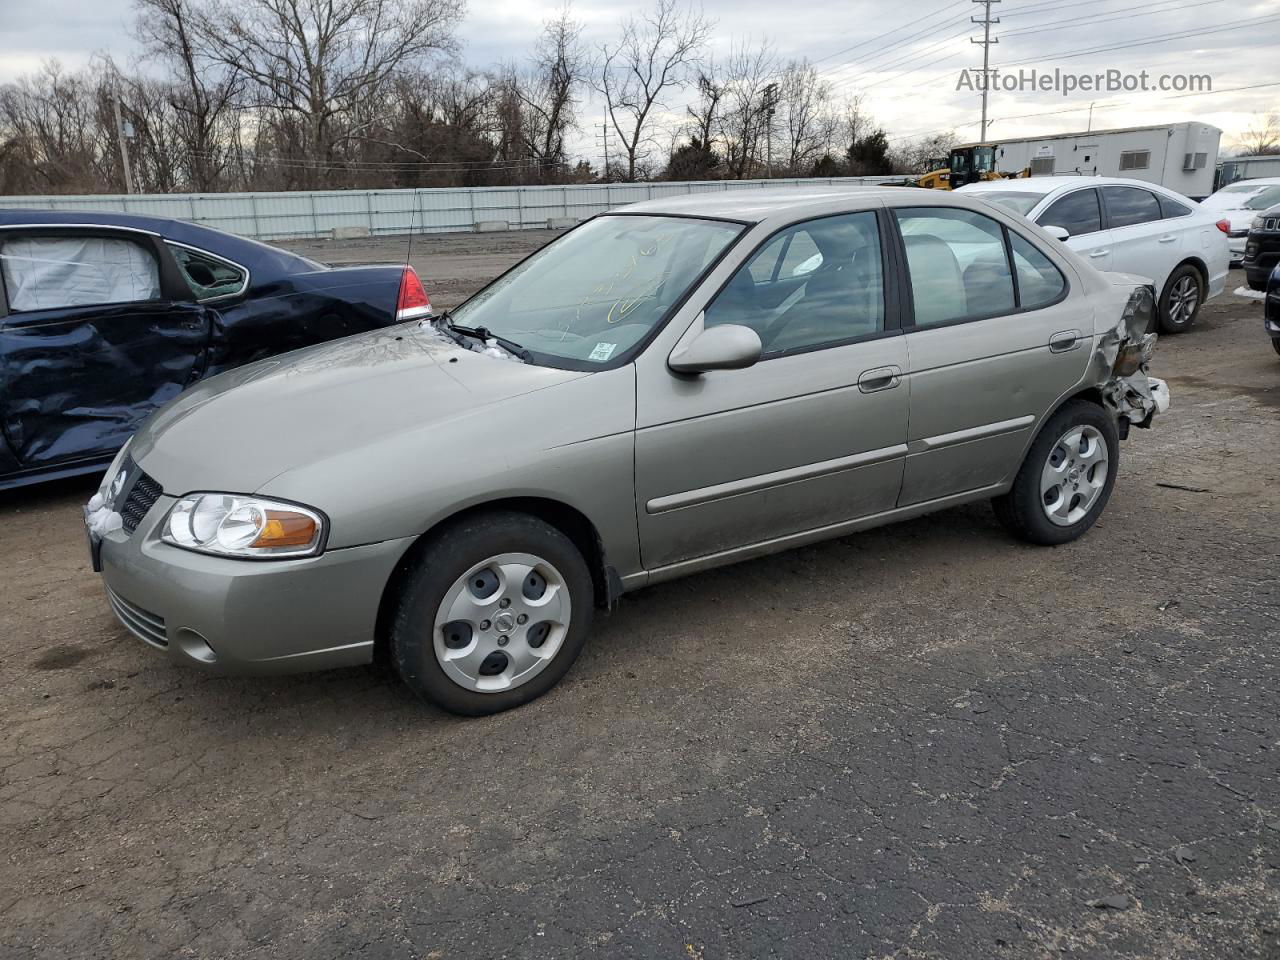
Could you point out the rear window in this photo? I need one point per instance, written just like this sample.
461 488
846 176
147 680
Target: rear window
1019 201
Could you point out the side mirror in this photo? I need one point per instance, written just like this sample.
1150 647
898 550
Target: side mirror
1058 233
729 346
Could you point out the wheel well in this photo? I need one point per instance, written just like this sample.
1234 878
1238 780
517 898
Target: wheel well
1200 268
569 521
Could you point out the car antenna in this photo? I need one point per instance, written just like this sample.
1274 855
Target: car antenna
413 216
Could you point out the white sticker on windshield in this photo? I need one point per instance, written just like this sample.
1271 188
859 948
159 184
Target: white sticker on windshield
603 351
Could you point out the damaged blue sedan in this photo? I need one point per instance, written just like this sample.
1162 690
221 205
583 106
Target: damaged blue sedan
105 317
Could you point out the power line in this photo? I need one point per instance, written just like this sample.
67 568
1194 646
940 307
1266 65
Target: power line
881 36
1049 57
1103 106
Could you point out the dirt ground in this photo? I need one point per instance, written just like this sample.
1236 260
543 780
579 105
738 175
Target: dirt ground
925 741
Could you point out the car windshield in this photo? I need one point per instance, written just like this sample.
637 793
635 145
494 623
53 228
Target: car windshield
594 295
1019 201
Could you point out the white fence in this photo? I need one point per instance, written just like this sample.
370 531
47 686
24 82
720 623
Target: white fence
273 216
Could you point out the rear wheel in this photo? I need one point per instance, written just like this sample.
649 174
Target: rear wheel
493 614
1181 299
1066 479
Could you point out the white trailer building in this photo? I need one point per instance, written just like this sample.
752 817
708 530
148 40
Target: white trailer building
1248 168
1180 156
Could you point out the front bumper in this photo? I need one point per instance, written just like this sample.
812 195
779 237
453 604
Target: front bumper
246 616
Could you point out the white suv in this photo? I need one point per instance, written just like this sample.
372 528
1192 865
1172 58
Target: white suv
1129 226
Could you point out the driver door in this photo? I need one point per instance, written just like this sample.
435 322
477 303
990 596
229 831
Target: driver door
812 435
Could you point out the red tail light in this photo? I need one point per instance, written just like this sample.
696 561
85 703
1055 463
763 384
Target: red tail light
413 302
1224 226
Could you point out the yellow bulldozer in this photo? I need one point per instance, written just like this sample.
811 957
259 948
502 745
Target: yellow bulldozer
968 163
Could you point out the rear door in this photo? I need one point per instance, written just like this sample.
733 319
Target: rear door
97 330
1142 242
987 355
1080 214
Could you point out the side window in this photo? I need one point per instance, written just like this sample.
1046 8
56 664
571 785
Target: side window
208 276
1040 283
958 264
48 273
1127 206
825 285
1170 208
1078 213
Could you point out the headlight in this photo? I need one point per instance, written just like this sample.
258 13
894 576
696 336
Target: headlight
1256 224
248 527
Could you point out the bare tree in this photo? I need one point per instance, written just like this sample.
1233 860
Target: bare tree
312 62
705 114
53 138
549 93
808 127
203 95
750 98
653 56
1262 139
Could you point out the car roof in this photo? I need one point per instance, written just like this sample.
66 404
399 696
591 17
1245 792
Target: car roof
229 245
1054 184
757 205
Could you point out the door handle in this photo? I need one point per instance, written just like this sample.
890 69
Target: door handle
881 378
1064 340
1099 253
1167 238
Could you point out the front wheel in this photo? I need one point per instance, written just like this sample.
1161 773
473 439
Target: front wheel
492 615
1066 479
1181 299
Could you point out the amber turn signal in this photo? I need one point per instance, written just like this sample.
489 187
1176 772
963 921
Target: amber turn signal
286 530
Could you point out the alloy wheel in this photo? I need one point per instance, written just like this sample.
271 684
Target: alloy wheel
502 622
1074 475
1183 300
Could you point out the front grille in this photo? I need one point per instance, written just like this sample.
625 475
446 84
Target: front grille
144 625
1271 223
142 497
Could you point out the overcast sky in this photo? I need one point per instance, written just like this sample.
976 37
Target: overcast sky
852 44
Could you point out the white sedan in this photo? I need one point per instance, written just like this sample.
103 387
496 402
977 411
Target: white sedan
1238 203
1129 226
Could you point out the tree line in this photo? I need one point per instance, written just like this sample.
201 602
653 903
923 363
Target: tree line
363 94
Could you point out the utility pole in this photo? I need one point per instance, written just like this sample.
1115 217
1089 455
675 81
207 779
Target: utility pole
986 41
770 105
124 146
604 141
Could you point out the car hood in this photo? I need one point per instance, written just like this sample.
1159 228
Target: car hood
236 431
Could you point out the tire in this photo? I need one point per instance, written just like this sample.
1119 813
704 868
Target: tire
444 660
1259 285
1275 345
1026 509
1181 299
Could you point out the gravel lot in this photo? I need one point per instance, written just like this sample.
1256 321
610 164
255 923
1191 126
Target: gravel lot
925 741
